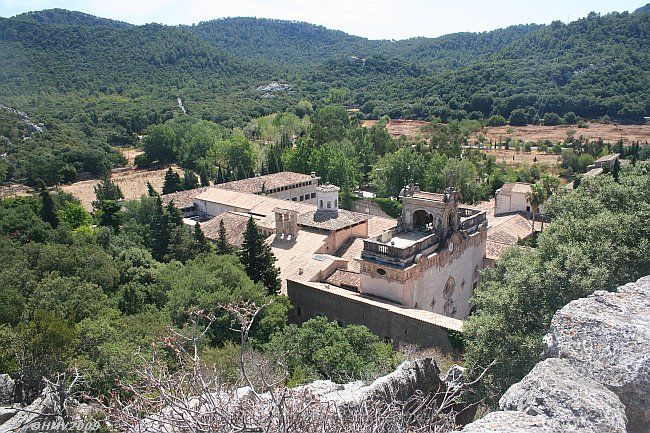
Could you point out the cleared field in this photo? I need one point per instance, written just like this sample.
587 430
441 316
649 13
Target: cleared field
130 153
510 157
397 128
609 133
132 182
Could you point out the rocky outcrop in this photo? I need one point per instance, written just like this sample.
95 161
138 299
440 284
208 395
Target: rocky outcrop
554 389
7 388
411 376
606 337
35 417
596 372
513 422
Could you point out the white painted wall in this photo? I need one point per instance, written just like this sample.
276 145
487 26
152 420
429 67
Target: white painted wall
515 202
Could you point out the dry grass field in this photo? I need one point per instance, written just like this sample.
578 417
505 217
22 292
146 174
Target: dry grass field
608 132
513 158
132 182
397 128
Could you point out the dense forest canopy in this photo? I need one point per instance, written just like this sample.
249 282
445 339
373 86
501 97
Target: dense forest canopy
95 83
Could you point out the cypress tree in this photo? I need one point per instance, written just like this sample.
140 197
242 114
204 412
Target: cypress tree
150 191
174 215
172 182
201 240
219 179
108 214
48 209
190 181
258 259
203 177
223 247
159 227
616 170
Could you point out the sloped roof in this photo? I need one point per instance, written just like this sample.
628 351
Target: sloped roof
235 224
515 188
510 230
345 278
255 185
183 199
330 221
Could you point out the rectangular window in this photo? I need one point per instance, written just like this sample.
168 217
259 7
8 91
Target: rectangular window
313 195
299 311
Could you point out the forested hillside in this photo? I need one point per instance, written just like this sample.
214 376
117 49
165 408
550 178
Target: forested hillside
96 83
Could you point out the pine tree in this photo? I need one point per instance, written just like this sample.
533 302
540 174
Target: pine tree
172 182
106 190
48 209
258 259
223 247
201 240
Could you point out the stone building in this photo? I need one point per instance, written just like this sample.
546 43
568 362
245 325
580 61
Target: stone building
431 260
512 197
427 260
285 185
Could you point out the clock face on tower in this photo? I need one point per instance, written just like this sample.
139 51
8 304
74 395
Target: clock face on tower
451 247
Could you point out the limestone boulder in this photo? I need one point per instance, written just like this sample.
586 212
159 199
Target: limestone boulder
6 413
554 389
606 337
421 375
514 422
38 416
7 388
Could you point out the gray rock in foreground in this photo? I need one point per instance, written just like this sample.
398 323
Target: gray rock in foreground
411 376
606 337
513 422
554 389
34 417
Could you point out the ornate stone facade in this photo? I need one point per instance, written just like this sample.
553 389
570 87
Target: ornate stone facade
431 261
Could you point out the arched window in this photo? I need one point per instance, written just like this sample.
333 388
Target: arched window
329 204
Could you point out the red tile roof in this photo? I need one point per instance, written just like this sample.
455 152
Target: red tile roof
268 182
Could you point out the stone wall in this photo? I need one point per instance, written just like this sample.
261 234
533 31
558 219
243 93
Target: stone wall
309 301
595 376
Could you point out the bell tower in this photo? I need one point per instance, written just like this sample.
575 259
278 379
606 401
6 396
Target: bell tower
327 200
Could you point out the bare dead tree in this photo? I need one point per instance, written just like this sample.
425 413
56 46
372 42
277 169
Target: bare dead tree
193 399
